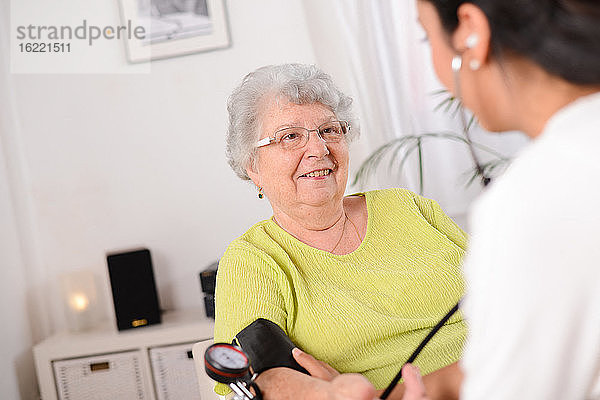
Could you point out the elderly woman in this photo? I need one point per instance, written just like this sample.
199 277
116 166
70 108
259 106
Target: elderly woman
357 281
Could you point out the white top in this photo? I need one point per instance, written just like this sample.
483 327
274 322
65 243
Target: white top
533 273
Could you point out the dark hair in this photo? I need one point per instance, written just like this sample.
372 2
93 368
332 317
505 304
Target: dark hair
561 36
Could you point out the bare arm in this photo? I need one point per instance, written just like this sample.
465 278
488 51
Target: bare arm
286 383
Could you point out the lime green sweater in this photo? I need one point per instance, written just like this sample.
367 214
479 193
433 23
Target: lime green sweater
361 312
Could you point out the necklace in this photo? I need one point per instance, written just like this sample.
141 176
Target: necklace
341 234
343 229
355 229
346 218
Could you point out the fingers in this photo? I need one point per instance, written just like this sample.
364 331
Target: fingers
414 388
315 368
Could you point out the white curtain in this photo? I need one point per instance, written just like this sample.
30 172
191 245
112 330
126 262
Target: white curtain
376 48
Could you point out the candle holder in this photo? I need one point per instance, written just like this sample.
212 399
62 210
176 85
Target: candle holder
80 300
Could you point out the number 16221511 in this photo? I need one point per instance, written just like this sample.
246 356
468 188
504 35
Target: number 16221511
45 47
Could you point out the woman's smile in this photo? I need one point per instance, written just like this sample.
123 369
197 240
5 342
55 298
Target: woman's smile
318 174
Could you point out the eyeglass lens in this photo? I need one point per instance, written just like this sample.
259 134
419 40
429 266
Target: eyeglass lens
295 137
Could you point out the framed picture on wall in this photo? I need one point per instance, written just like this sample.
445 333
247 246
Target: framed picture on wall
168 28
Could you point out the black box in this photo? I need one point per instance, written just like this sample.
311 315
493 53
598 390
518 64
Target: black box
208 280
133 289
209 305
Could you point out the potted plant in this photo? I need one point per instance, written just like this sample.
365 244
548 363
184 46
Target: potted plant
398 151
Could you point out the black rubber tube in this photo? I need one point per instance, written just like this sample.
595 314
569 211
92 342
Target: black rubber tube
415 353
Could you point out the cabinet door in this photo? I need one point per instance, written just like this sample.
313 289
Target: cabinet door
174 373
113 376
205 383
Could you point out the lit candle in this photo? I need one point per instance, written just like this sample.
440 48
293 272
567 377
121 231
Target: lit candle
79 302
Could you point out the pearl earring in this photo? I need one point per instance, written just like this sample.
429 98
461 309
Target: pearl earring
472 40
456 63
474 65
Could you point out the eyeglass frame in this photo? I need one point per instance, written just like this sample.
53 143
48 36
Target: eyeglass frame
272 139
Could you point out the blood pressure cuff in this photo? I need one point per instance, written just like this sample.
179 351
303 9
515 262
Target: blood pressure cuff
267 346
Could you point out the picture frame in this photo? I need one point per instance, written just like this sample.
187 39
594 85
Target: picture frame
173 28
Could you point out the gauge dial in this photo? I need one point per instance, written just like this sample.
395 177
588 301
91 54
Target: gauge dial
225 363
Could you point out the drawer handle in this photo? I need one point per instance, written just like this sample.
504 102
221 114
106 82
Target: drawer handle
101 366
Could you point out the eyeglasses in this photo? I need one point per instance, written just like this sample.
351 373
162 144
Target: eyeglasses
297 137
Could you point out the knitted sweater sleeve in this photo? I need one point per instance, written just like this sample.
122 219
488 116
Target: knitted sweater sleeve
249 286
433 213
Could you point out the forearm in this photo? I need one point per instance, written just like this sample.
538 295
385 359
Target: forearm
443 384
286 383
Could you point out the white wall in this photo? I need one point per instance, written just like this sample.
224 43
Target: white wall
92 163
16 365
17 290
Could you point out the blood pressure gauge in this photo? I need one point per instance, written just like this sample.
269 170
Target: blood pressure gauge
226 363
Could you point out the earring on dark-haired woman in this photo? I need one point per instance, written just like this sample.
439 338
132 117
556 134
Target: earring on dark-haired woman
260 193
457 62
472 41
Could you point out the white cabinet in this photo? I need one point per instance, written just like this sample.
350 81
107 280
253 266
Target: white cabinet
104 377
149 363
174 373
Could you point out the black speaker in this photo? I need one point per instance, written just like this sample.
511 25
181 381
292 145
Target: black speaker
133 289
207 282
